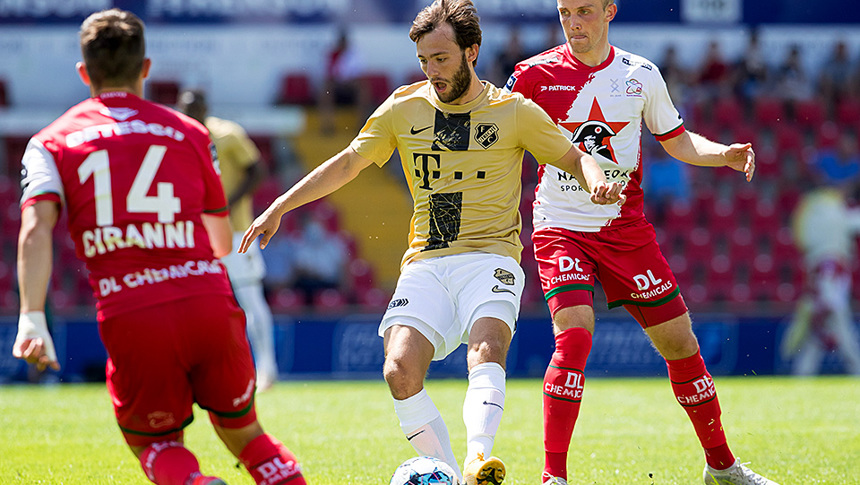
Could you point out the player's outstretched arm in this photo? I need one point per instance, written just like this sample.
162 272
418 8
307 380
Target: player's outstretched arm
589 175
697 150
33 342
333 174
220 234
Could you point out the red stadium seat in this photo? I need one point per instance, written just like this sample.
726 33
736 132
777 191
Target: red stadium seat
287 300
848 111
379 86
329 300
727 111
296 89
809 112
769 111
163 91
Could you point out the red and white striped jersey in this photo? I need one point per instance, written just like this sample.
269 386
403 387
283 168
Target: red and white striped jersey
135 178
601 109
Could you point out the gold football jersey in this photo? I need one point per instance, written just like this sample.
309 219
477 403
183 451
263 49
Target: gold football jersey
463 164
236 152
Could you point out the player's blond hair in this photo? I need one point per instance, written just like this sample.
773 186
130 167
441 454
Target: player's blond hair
113 47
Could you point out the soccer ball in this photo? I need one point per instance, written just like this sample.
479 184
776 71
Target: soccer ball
423 470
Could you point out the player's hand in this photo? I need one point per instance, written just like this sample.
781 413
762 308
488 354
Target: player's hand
265 226
741 157
33 342
605 193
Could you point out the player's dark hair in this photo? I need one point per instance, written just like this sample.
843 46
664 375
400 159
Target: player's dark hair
113 47
460 14
193 103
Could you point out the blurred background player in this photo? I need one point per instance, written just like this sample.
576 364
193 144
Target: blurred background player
241 173
825 228
460 280
605 94
147 215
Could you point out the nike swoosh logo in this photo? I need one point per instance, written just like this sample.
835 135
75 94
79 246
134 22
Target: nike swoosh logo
409 438
496 289
415 132
493 404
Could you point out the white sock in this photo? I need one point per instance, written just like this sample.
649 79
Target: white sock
482 408
425 429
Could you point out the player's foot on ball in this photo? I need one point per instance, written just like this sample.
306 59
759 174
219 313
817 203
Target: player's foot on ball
547 479
201 480
737 474
484 472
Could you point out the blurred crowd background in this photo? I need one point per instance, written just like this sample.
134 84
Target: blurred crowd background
301 79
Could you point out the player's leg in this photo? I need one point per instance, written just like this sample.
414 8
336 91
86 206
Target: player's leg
246 275
489 341
151 396
567 279
408 354
223 381
488 290
415 330
264 456
260 332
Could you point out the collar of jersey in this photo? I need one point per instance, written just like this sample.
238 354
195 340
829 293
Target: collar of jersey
460 108
579 65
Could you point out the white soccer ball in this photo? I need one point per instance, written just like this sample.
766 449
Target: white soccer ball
423 470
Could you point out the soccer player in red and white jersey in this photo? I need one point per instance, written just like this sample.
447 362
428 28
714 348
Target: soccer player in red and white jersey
147 214
599 95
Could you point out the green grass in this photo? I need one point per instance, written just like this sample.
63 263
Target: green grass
630 431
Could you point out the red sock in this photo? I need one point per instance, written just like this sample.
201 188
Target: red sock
270 462
562 393
696 393
168 463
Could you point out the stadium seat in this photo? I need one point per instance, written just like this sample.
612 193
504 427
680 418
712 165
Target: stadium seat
727 111
296 89
4 97
827 135
286 300
163 91
264 145
329 300
769 111
789 137
379 86
14 147
809 112
848 111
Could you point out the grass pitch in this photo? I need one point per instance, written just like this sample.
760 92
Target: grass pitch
630 431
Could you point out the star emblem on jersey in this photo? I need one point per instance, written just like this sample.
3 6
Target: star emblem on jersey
593 136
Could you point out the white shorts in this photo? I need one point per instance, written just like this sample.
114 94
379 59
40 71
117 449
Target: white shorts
246 268
443 297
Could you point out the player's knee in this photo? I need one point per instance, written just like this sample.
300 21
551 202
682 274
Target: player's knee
404 377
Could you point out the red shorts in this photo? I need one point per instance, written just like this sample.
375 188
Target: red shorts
161 360
626 260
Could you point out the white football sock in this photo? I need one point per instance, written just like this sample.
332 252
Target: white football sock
425 429
482 408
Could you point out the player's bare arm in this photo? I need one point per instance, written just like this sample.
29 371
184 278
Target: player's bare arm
33 342
589 175
220 234
697 150
333 174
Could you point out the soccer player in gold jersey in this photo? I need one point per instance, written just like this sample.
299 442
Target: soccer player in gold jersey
461 142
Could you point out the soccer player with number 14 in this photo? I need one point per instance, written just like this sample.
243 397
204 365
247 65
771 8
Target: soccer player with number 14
147 214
